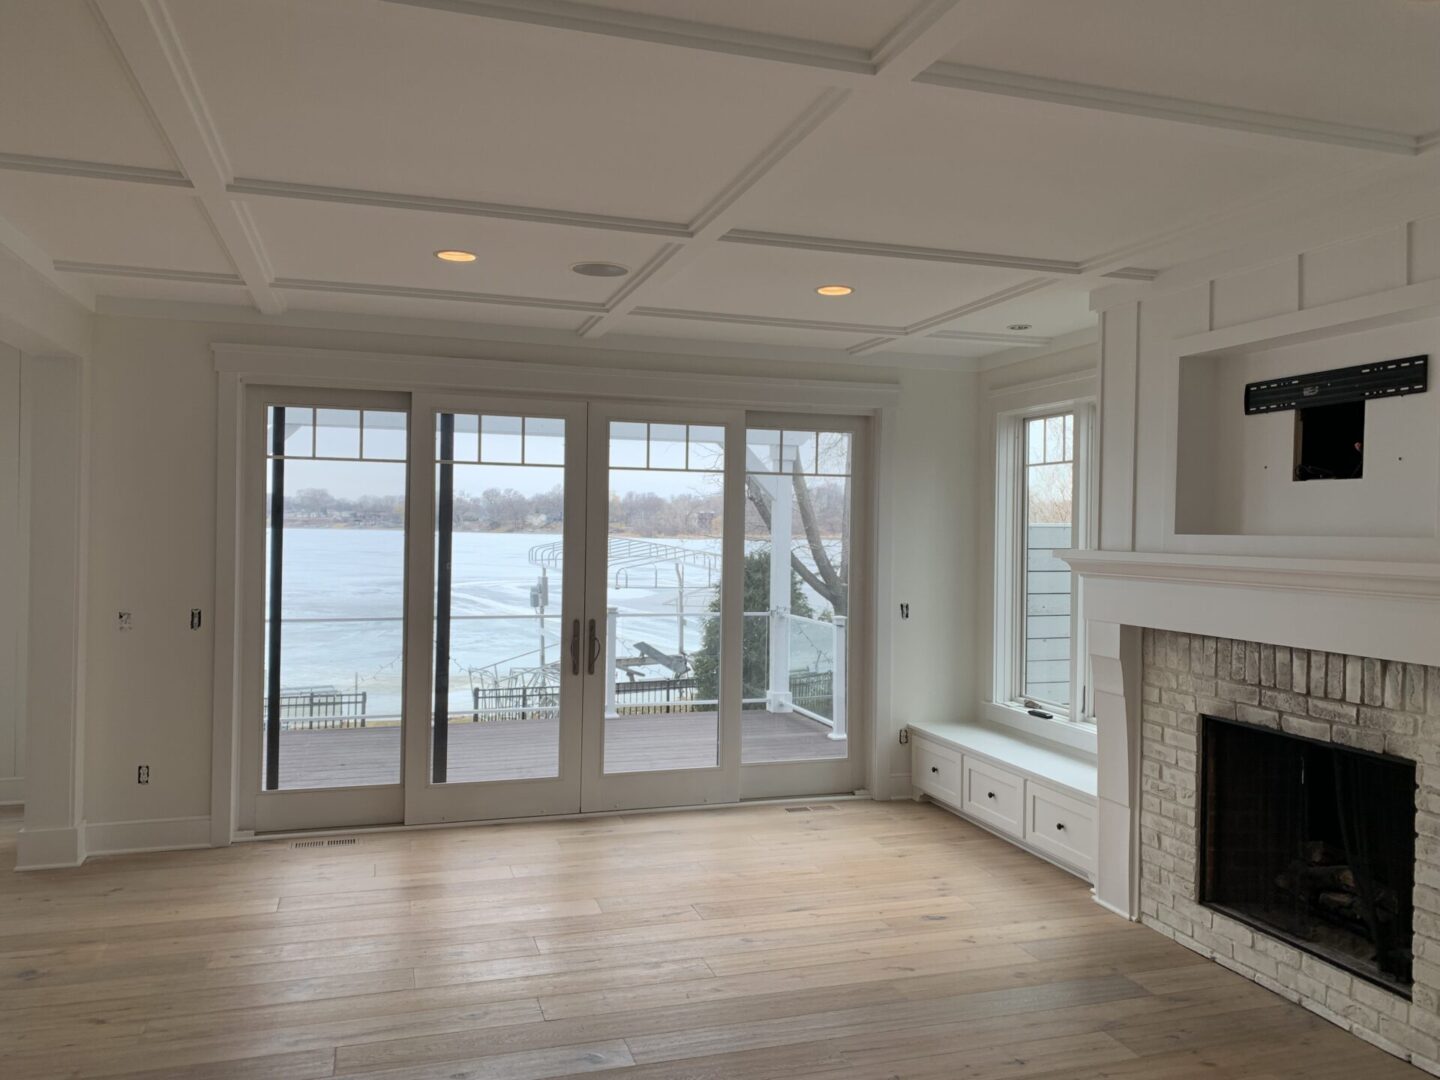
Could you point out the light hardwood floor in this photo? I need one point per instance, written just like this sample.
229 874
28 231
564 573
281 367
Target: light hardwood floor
863 940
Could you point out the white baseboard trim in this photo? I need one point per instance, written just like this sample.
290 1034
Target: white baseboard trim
1112 908
154 834
901 789
49 849
12 790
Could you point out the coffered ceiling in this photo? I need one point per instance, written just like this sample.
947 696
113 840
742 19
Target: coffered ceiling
966 166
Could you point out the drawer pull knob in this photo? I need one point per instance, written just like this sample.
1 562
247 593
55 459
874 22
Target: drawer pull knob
934 768
989 794
1060 825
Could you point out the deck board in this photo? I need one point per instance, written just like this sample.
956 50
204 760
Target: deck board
527 749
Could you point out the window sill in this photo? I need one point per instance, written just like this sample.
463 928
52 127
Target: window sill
1076 735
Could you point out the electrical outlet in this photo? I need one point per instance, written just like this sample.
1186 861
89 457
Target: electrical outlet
123 621
142 774
904 611
194 618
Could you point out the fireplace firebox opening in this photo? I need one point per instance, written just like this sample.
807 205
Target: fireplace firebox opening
1312 843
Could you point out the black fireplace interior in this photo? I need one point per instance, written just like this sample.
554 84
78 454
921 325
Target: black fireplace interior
1312 843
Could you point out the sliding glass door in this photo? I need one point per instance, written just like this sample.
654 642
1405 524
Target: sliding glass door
497 722
322 742
468 608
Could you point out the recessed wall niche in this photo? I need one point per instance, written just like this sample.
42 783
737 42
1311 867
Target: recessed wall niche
1236 474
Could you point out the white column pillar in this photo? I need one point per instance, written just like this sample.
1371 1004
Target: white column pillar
1115 678
55 424
612 622
839 704
777 696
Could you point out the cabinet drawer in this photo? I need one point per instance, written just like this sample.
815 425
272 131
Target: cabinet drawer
935 771
1061 826
993 795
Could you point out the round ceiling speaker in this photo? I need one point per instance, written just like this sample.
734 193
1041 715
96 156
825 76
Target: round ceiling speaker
600 269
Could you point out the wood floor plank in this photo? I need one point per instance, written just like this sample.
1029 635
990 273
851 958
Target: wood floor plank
866 942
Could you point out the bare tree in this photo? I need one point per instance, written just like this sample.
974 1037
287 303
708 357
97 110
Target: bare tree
829 580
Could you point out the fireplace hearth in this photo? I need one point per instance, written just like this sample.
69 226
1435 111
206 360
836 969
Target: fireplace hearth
1312 843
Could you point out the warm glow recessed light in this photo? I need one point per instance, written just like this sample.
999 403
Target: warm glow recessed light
834 290
455 255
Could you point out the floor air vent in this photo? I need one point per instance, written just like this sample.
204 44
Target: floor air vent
348 841
825 807
797 809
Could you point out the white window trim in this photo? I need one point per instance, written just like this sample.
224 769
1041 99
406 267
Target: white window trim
1074 726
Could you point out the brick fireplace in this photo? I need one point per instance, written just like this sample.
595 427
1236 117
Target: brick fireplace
1376 706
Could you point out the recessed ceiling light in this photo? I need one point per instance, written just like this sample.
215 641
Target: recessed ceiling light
834 290
1019 326
600 269
455 255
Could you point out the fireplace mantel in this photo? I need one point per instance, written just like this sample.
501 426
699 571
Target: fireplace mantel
1367 608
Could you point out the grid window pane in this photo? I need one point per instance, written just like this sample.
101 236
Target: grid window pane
385 435
1049 497
500 440
337 433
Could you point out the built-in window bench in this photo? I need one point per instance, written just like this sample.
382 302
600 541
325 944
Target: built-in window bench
1039 795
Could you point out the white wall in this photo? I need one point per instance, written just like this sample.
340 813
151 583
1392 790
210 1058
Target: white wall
13 606
933 518
1235 471
152 513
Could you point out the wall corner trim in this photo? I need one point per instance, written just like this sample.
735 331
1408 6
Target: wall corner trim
50 849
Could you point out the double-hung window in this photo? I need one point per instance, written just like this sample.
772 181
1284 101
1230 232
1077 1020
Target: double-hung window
1042 481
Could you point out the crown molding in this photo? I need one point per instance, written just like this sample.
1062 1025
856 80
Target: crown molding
660 30
522 342
360 288
94 170
1063 343
389 200
154 273
1019 341
1181 110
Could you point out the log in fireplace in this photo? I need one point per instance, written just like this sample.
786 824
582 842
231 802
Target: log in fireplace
1312 843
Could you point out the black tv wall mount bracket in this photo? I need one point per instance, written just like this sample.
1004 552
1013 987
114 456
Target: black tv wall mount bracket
1364 382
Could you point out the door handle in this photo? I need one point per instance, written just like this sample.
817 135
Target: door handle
594 647
575 647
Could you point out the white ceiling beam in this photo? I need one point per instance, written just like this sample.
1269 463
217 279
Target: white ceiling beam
909 252
722 212
912 56
94 170
388 200
147 45
1179 110
834 60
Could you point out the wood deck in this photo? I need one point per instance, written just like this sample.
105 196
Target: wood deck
525 749
862 942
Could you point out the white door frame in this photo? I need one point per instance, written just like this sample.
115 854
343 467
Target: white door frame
261 810
239 365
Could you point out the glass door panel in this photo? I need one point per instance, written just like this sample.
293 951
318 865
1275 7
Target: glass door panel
500 527
797 594
335 597
500 639
659 617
